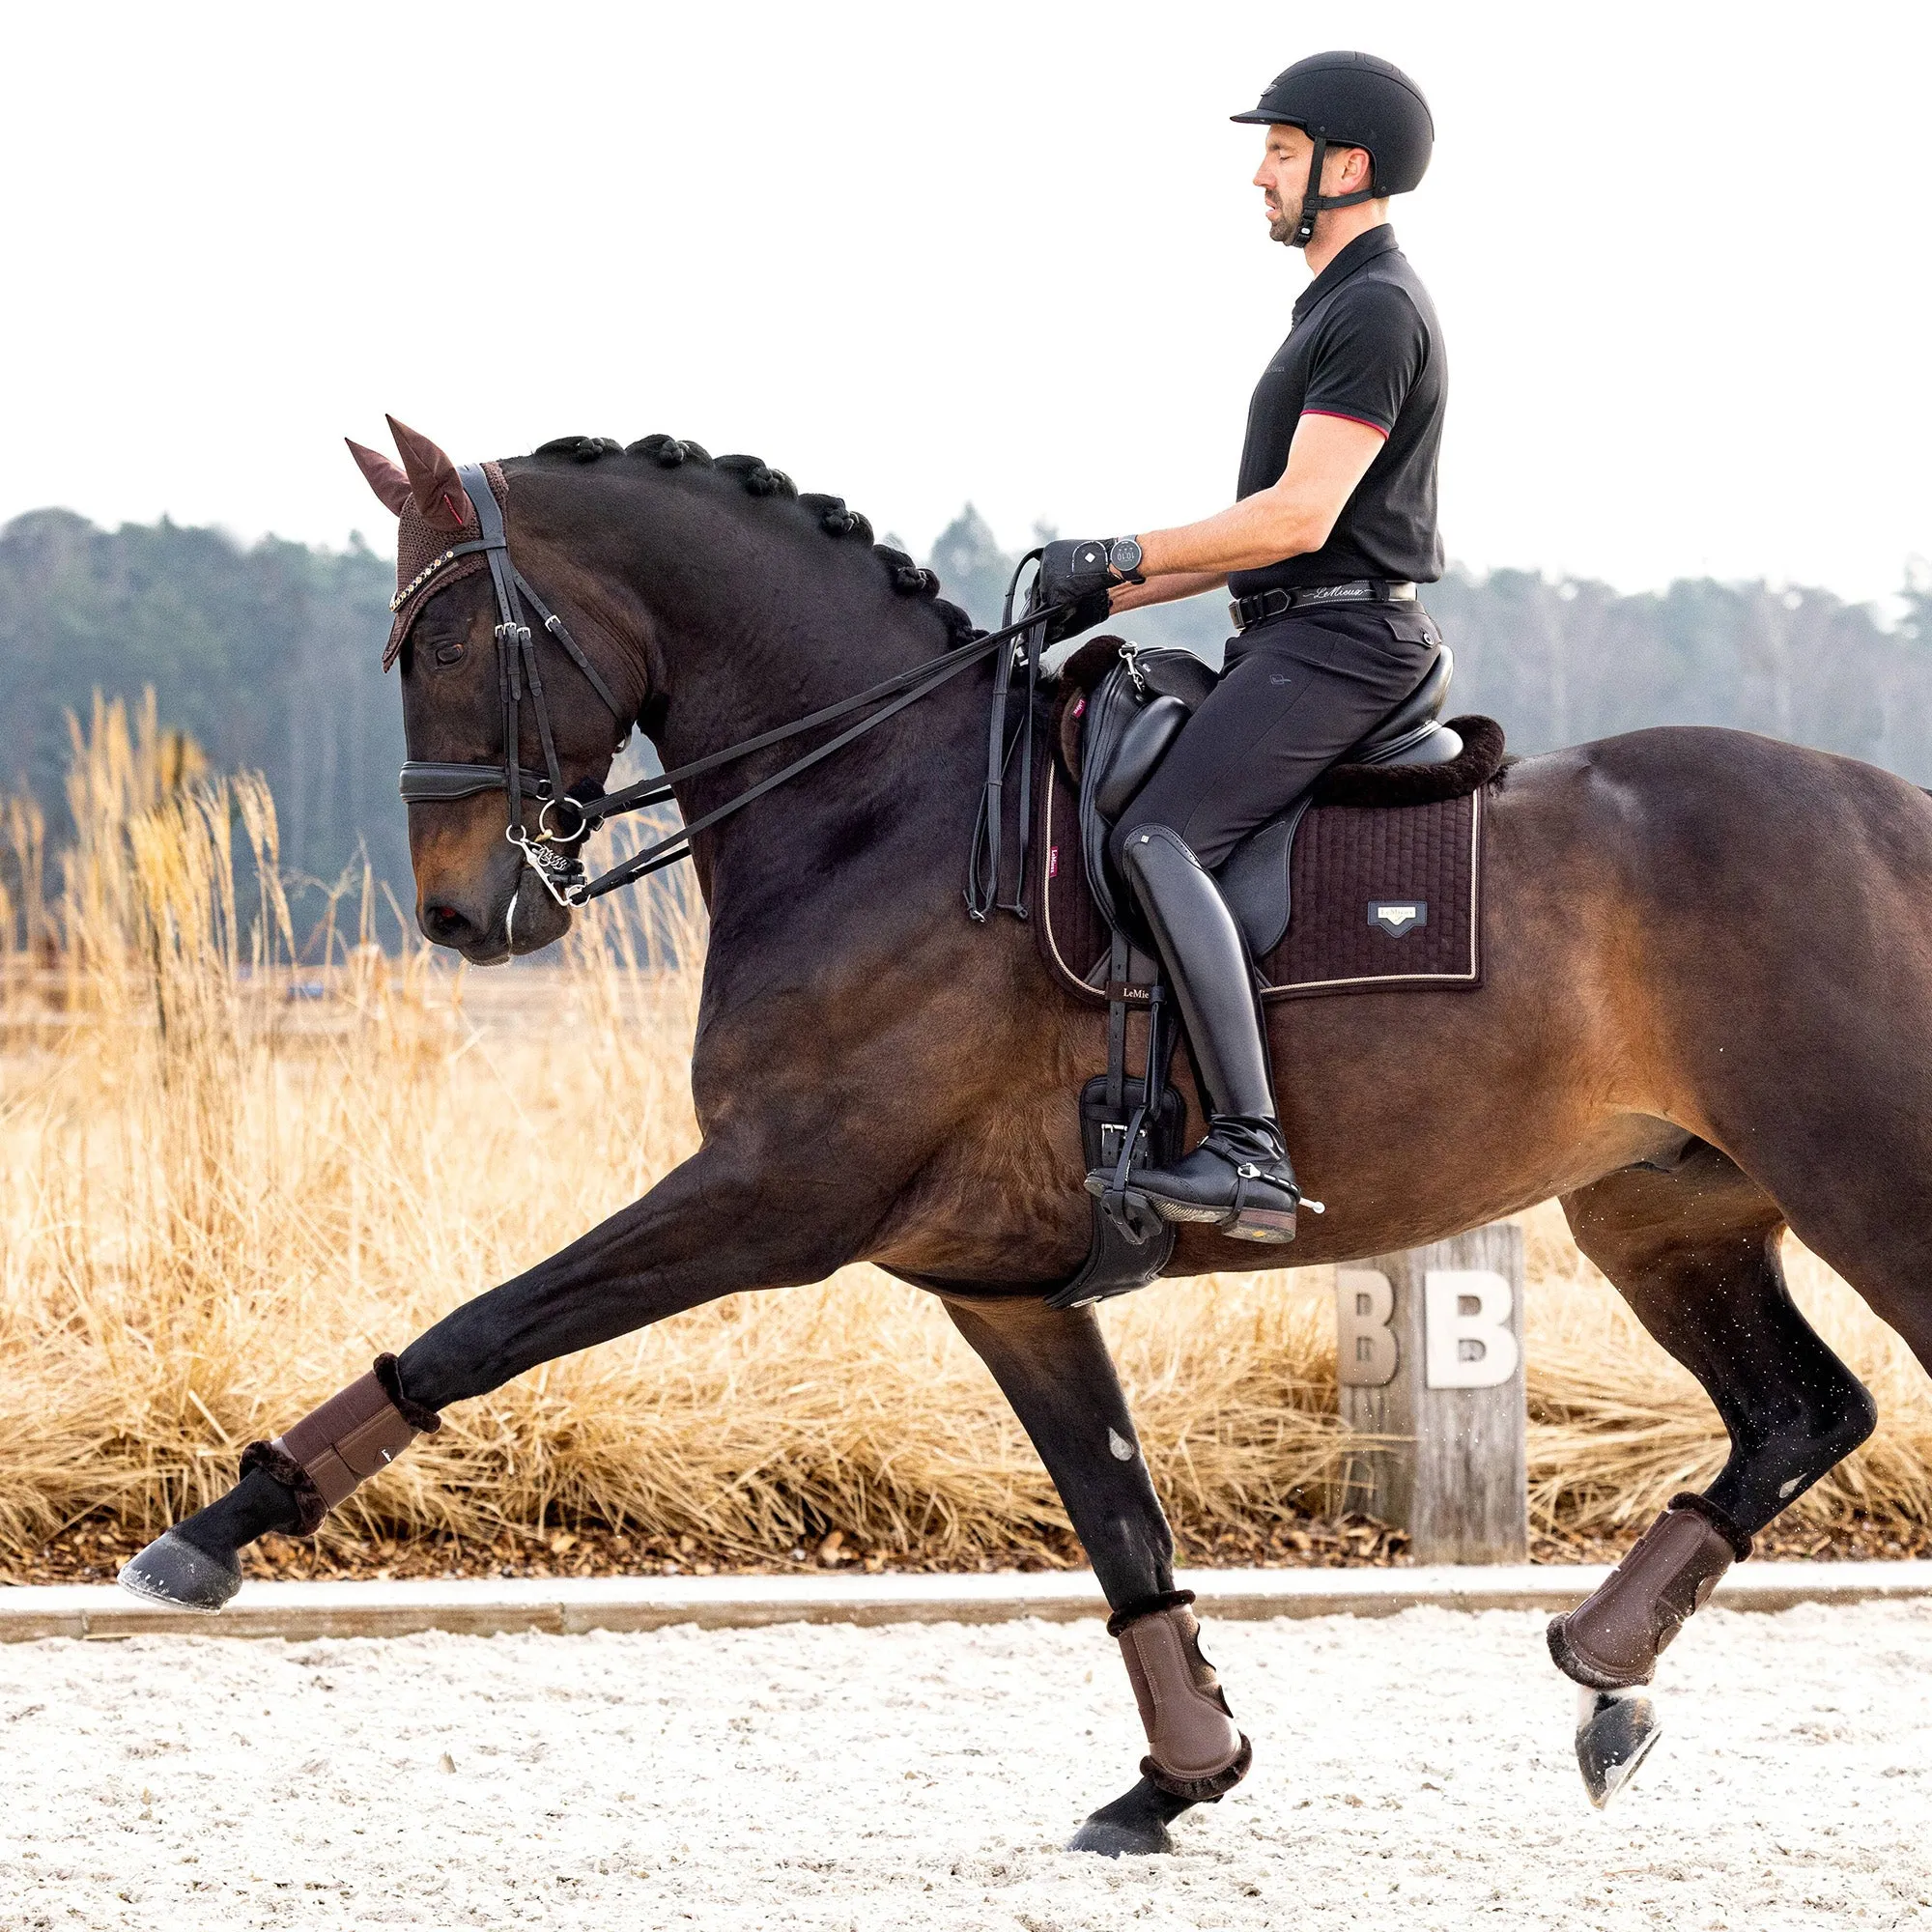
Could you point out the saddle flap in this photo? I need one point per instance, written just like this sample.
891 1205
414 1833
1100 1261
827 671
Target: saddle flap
1254 880
1124 734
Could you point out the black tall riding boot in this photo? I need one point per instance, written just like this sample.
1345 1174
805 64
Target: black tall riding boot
1238 1178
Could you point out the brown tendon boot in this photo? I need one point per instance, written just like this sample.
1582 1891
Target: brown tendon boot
1612 1640
326 1455
196 1565
1194 1751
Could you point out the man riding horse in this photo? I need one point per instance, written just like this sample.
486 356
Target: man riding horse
1334 526
1700 1018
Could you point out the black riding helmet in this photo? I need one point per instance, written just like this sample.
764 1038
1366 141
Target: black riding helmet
1350 100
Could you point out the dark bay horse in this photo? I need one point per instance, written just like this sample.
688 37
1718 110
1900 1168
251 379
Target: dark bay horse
1704 1017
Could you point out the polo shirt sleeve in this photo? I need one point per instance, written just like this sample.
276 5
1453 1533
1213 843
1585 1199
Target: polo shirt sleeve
1373 347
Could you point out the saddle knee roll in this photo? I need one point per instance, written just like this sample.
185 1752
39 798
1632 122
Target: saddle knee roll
1611 1640
1194 1749
334 1449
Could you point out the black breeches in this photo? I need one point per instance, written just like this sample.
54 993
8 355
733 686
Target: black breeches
1298 693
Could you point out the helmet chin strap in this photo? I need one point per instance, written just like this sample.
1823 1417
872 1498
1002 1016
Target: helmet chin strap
1314 201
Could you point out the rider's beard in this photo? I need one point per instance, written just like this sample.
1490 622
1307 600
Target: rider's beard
1281 225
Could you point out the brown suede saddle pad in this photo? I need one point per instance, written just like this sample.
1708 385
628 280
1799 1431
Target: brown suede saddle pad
1382 896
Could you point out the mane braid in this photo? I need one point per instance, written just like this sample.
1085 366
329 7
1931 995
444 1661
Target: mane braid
760 479
581 448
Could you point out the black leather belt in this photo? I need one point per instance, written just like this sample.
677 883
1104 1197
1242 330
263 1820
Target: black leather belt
1257 609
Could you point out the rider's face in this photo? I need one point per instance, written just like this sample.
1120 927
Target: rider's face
1283 176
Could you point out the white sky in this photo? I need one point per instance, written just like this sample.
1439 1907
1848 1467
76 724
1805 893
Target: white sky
920 254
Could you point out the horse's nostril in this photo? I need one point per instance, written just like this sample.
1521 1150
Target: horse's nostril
444 924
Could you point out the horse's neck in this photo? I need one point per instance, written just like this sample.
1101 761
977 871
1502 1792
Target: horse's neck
879 818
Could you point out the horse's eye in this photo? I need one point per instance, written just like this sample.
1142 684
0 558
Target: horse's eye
449 654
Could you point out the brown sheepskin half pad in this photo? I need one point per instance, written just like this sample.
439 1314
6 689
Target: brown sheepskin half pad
1194 1750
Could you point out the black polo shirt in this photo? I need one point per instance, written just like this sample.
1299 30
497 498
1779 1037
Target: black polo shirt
1365 345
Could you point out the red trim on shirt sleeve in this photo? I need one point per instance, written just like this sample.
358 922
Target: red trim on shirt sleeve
1343 415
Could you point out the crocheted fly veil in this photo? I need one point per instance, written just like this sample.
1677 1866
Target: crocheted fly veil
434 514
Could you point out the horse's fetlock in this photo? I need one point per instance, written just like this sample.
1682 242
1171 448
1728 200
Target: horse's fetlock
1612 1640
1194 1749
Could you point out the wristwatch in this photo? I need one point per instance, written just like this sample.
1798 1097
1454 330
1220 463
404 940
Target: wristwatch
1123 558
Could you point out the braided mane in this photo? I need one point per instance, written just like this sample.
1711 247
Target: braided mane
760 479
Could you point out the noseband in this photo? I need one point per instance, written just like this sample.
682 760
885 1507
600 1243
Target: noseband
552 854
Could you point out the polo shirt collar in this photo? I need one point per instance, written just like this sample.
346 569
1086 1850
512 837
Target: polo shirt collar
1365 248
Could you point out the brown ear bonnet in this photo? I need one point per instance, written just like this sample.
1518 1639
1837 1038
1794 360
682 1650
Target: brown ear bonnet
434 515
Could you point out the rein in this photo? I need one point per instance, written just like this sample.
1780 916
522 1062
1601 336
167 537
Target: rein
561 871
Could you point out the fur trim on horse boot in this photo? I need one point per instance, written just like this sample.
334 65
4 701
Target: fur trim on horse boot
1612 1640
1194 1751
1239 1178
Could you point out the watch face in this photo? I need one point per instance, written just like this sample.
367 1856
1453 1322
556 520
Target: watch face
1124 556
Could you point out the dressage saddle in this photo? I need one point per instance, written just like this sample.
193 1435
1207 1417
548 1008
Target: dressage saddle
1122 708
1134 714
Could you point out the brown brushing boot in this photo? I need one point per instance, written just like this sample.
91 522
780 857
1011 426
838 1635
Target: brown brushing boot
1196 1753
1611 1642
305 1471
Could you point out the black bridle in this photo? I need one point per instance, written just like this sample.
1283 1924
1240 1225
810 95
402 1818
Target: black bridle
552 854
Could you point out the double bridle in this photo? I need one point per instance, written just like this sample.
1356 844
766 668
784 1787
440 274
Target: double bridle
552 852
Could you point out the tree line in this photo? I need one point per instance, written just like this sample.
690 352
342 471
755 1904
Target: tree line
270 656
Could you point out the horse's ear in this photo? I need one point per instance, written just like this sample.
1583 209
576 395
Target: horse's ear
440 496
390 485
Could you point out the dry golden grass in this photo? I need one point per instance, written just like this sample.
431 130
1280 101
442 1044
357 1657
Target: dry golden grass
228 1179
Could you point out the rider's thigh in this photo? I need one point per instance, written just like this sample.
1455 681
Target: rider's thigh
1278 719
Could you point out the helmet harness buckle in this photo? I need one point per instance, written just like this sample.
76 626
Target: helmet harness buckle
1314 201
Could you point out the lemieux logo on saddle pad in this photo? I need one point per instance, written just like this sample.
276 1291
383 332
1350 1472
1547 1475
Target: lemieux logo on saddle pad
1397 917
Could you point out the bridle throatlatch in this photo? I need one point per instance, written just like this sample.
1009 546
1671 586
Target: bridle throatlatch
567 817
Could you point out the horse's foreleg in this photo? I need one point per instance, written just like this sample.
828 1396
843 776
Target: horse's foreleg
705 1230
1053 1366
1695 1253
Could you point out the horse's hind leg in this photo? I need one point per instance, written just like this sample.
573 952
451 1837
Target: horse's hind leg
1053 1366
1694 1250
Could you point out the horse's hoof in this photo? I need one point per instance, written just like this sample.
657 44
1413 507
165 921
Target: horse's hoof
1134 1826
1615 1730
173 1571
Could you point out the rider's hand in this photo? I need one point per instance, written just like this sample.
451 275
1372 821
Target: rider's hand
1080 574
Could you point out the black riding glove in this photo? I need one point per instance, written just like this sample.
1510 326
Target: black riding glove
1083 572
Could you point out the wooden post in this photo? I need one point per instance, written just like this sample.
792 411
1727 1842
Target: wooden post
1430 1353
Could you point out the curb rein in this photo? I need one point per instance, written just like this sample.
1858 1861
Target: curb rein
561 871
